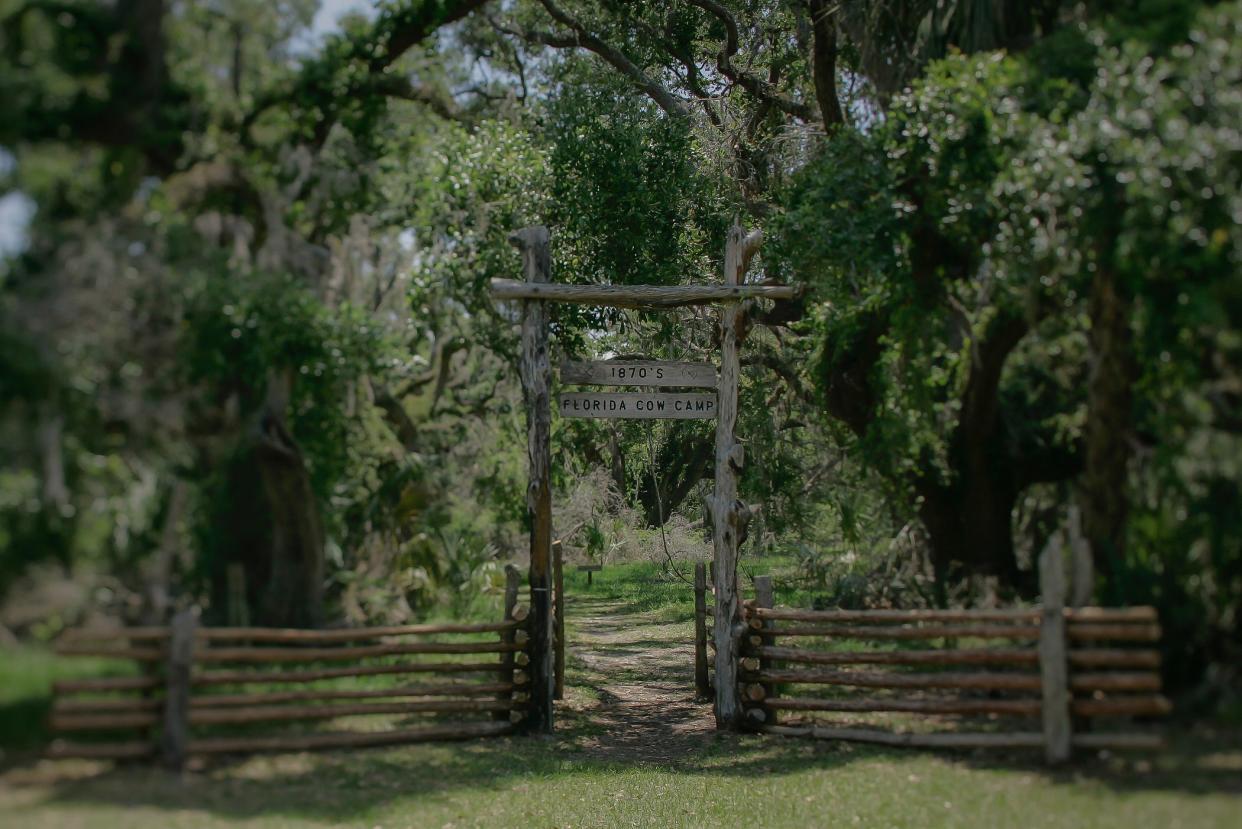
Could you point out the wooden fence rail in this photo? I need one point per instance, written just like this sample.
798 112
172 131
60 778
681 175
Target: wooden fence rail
1048 666
218 678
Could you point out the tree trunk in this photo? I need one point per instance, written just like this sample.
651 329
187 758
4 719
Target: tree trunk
293 595
969 528
1109 407
824 62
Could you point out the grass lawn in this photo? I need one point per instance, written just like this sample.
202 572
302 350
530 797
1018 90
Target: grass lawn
746 781
566 781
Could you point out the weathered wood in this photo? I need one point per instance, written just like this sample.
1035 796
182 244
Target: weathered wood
640 296
132 750
765 597
1142 613
176 733
1030 632
1113 658
937 740
1053 667
450 689
1141 705
1119 742
724 498
558 606
256 634
285 713
963 656
348 634
513 580
248 654
637 405
640 373
590 570
1078 632
211 678
1011 707
536 383
1078 658
113 721
62 707
310 742
1115 681
701 687
906 616
984 681
123 705
1138 613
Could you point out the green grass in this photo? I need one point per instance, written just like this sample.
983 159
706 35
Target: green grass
565 781
738 781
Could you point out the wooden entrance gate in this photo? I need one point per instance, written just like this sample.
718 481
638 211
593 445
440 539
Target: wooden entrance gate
728 515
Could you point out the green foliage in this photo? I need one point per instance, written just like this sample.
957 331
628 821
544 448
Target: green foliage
241 329
627 201
988 197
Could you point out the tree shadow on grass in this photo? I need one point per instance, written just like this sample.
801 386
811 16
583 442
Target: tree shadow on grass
349 785
23 730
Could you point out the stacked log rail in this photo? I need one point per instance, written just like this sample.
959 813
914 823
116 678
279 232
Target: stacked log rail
244 680
951 663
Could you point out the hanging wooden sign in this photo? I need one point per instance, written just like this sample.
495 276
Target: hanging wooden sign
630 405
640 373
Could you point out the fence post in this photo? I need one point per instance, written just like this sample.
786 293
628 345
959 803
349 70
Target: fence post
702 687
176 734
536 391
558 604
1052 658
727 520
765 597
513 579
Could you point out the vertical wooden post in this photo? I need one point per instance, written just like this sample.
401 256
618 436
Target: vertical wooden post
513 580
765 597
536 383
176 735
558 572
702 687
1053 669
723 509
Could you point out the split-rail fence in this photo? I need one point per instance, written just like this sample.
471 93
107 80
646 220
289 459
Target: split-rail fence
199 691
1039 677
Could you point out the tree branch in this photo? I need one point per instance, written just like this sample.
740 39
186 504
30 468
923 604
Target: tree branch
757 87
582 38
397 29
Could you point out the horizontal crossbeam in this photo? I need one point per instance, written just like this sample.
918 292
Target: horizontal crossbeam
643 297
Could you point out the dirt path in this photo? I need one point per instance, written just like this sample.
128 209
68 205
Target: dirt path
643 674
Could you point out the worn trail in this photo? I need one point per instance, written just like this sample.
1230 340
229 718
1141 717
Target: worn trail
643 674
